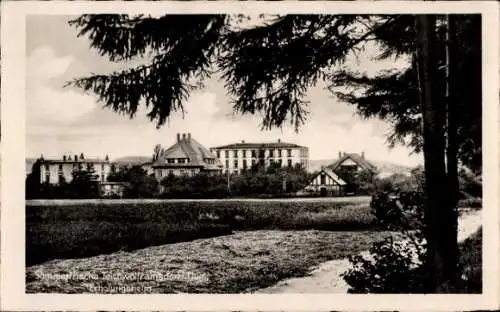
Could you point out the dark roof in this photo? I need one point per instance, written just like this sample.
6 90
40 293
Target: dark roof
72 161
187 148
259 145
360 161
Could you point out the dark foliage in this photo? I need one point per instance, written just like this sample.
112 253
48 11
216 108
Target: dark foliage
138 184
255 182
393 96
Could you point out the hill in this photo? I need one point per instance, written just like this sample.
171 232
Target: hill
131 160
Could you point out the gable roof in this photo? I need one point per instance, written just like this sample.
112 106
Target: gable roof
360 161
329 172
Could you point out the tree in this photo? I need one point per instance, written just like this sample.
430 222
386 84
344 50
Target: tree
269 67
84 183
138 183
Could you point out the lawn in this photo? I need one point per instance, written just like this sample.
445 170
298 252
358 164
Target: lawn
84 230
242 262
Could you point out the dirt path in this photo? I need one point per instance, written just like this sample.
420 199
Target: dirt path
326 278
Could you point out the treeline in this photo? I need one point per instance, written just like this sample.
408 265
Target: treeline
137 183
273 181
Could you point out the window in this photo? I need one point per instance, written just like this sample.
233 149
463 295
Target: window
181 160
182 172
193 172
244 153
171 172
160 173
227 154
244 164
235 153
280 162
47 167
323 179
171 161
236 163
279 153
254 153
102 167
289 152
102 177
271 153
289 163
60 167
47 177
227 163
261 153
253 162
218 154
271 161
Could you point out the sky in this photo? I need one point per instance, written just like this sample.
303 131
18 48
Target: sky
62 121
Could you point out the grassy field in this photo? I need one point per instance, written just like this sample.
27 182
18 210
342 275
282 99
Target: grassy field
74 231
242 262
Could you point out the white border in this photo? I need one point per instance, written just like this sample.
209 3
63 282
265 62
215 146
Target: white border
12 294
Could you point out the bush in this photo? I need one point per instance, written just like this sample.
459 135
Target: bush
392 267
398 211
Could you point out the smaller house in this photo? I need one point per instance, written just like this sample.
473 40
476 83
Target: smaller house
352 162
348 165
326 183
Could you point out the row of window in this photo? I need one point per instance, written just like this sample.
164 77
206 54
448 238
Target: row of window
80 166
191 172
254 153
254 162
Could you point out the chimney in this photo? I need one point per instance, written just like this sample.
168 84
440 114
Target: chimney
189 137
183 137
81 156
242 141
363 155
64 157
76 158
107 158
340 154
178 137
279 140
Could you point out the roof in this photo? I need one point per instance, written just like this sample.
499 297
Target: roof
244 145
72 161
186 148
360 161
329 172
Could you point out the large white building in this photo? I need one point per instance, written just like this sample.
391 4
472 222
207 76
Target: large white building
187 157
55 171
238 157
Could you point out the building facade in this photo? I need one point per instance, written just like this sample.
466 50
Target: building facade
326 183
238 157
56 171
187 157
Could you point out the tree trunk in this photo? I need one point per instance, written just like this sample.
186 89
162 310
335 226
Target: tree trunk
433 113
449 233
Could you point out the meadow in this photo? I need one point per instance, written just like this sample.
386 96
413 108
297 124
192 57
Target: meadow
88 229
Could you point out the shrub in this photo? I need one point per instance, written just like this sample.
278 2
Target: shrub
391 267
